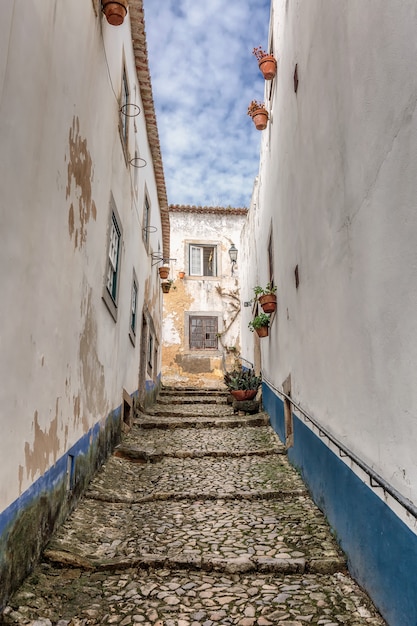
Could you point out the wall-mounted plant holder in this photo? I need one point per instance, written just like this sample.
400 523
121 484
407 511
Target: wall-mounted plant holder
137 162
130 110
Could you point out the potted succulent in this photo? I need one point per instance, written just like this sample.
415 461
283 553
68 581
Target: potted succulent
243 384
115 11
166 285
266 297
258 113
260 324
267 63
163 272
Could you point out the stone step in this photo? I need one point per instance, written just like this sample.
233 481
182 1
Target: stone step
289 535
192 410
141 455
183 391
199 421
198 476
203 440
181 597
191 399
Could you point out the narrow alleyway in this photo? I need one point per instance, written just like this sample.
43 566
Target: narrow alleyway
197 518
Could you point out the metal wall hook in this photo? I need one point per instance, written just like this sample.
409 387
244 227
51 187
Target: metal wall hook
125 109
137 162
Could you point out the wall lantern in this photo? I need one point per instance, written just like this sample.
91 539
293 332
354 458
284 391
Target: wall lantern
233 255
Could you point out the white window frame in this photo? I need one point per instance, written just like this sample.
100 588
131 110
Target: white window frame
133 318
196 259
113 260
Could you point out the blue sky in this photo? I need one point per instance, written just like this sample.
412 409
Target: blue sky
204 76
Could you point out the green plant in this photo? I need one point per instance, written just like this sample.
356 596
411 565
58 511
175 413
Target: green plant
270 289
240 378
262 319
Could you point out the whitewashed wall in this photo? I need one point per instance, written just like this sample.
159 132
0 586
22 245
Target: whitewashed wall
64 361
337 183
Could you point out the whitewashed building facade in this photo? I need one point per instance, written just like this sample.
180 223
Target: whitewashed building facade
201 330
81 305
333 223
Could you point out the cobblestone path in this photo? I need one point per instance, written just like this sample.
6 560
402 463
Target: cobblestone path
197 519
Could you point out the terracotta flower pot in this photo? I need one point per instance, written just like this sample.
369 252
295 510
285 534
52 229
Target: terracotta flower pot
260 118
268 66
163 272
181 274
166 287
115 11
244 394
268 302
262 331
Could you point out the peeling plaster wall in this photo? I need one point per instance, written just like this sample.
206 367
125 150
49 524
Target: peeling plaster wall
337 183
64 360
180 365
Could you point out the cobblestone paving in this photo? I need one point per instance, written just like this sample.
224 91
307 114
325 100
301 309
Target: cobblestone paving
191 526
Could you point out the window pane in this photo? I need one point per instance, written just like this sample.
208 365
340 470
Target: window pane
196 333
210 338
113 258
134 305
146 212
209 261
195 261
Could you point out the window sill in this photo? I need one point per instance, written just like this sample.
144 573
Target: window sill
110 304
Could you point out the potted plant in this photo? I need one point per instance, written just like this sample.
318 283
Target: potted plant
115 11
181 274
163 272
267 63
166 286
260 323
259 114
267 297
243 384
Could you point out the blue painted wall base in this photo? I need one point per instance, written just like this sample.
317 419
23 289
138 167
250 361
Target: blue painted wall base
28 523
381 550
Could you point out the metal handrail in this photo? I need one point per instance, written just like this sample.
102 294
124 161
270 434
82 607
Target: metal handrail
375 480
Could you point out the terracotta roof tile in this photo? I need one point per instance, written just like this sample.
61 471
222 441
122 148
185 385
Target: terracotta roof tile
142 68
219 210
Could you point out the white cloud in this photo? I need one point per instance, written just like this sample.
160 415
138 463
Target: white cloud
203 77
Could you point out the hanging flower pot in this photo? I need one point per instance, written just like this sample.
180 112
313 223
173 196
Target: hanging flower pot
115 11
268 302
166 286
259 114
267 63
260 324
163 272
266 297
181 275
262 331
